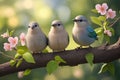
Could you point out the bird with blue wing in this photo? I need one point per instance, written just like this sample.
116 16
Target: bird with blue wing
82 33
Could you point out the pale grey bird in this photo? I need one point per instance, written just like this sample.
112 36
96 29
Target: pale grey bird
83 34
58 38
35 38
36 41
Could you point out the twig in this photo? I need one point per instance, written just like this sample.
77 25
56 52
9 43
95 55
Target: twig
115 21
6 55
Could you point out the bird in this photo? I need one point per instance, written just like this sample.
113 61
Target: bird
58 38
83 34
36 40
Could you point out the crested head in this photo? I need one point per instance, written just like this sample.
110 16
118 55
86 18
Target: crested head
33 27
81 21
57 24
80 18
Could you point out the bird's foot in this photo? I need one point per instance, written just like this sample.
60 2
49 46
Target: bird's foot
78 48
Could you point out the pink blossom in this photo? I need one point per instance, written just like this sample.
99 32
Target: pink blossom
5 35
7 47
101 8
22 39
111 14
13 41
108 32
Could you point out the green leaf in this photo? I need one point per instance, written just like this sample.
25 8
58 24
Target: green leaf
7 32
59 59
22 49
28 57
45 51
27 72
52 66
105 23
107 38
102 18
99 31
111 68
101 38
103 68
17 56
11 32
107 67
89 57
96 21
18 63
94 10
112 30
12 62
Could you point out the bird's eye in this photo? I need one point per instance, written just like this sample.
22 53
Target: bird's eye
58 24
80 20
35 25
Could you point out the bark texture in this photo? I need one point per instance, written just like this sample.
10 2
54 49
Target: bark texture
102 54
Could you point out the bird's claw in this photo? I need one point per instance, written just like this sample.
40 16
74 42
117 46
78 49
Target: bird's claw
78 48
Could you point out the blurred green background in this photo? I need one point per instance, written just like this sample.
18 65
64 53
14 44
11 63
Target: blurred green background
16 14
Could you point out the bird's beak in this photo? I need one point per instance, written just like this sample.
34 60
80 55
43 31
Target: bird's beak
32 27
74 20
53 25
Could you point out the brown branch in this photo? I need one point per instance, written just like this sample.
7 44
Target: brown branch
102 54
115 22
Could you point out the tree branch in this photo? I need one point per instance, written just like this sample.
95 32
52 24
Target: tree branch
102 54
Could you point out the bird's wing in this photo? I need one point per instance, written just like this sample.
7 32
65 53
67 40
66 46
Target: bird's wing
91 32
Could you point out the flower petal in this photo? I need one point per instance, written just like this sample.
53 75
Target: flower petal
98 6
5 35
111 14
22 36
22 39
16 39
108 32
103 12
7 47
13 41
23 43
101 9
105 6
10 39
